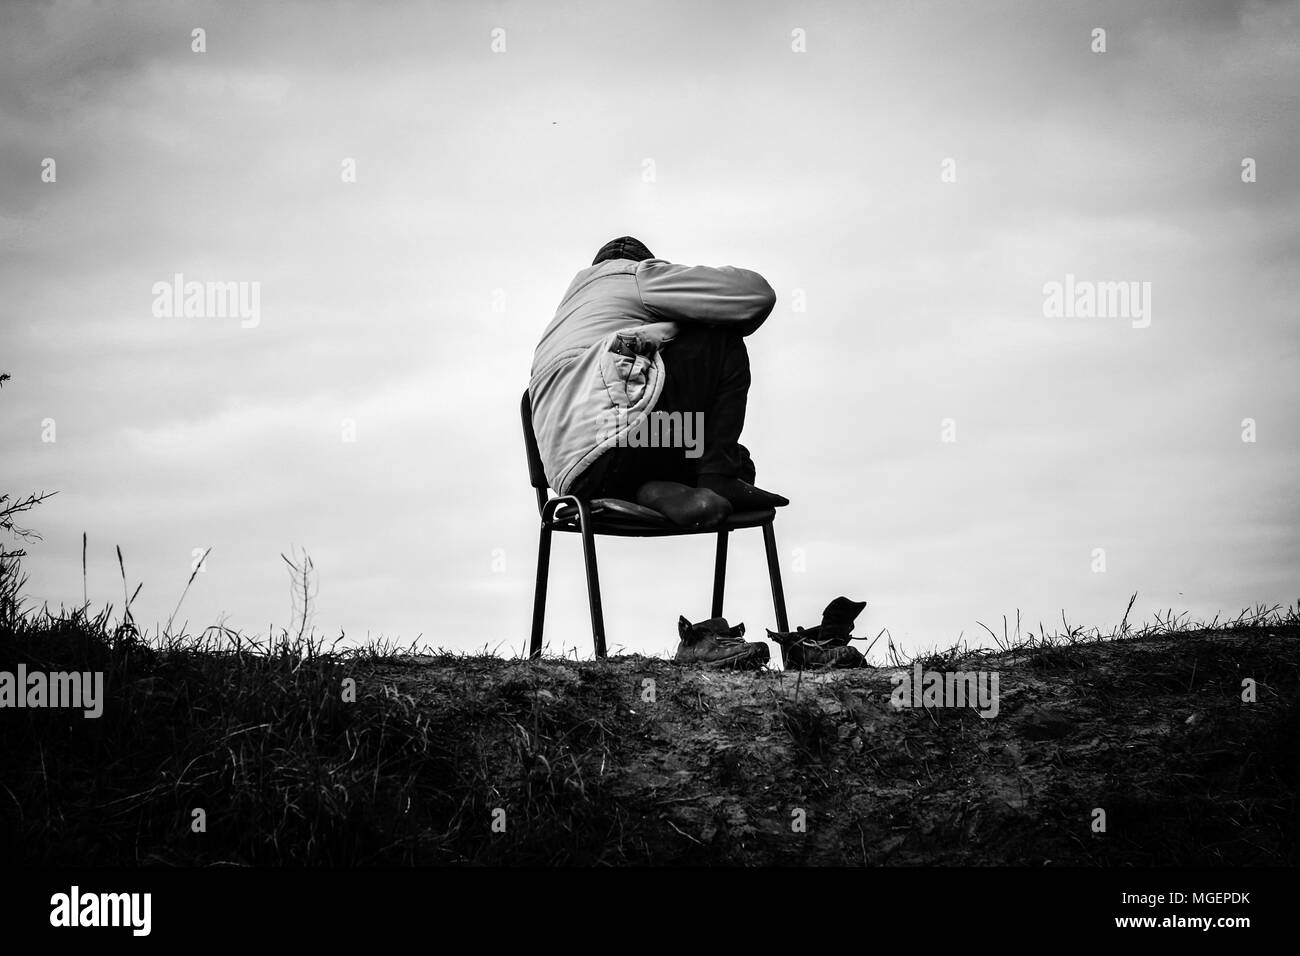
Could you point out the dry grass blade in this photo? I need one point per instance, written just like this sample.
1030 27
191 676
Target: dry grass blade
193 574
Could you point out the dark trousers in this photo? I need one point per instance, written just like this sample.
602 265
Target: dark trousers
706 371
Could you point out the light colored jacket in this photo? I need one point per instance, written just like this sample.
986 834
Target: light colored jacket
598 361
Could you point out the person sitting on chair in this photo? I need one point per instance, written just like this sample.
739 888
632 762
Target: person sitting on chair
637 342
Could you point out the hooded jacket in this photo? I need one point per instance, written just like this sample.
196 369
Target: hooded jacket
597 371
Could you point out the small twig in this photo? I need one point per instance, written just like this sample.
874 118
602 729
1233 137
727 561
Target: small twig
683 833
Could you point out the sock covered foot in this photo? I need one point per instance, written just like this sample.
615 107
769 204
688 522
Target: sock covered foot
683 505
742 495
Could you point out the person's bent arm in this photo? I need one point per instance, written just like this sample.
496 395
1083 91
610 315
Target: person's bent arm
647 338
721 295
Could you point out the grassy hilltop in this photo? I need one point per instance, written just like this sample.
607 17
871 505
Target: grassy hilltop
298 755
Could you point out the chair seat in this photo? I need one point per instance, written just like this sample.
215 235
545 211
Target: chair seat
615 509
614 516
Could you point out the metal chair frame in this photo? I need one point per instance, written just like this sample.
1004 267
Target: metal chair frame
576 518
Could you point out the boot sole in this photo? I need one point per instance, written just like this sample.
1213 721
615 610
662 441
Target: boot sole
746 660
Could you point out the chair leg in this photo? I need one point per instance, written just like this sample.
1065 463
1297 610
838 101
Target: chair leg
539 595
774 573
720 573
593 587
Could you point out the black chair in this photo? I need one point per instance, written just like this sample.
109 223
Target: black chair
624 519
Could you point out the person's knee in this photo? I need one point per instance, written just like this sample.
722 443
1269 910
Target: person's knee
684 505
709 350
691 342
698 337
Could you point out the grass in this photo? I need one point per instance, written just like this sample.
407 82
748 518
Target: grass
220 750
285 763
217 749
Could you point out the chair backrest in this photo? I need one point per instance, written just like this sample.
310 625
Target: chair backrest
536 474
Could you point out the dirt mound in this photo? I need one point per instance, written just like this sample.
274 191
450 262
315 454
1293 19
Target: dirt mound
1137 751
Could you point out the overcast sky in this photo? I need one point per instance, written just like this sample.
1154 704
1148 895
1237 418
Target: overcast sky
408 302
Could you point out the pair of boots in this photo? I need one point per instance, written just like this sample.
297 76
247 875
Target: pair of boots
714 643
